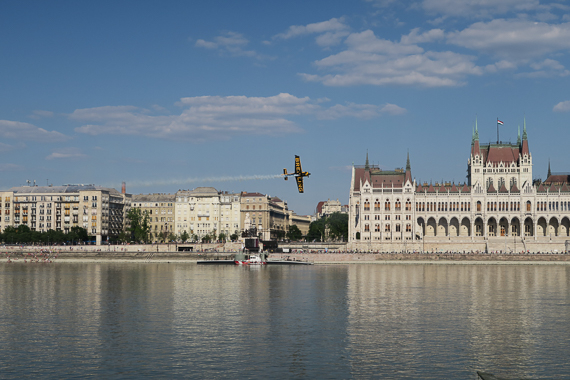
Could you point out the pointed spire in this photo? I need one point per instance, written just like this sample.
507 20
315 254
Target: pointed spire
524 130
408 176
472 135
549 172
476 131
367 166
519 136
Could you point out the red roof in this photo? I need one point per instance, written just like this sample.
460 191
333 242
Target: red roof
320 207
491 189
515 189
503 189
558 178
378 178
495 154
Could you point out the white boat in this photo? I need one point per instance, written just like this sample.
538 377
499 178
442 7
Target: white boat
250 260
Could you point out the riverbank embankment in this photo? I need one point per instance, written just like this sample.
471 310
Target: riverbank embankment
85 254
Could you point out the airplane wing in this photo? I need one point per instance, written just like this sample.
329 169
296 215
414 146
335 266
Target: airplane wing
299 183
298 165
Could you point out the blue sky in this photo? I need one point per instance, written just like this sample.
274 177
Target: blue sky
179 94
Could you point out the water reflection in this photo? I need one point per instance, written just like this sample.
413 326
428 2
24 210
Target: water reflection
424 321
150 320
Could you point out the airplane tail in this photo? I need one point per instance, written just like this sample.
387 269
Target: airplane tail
285 174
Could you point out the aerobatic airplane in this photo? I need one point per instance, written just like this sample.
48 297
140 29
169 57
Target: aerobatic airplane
299 174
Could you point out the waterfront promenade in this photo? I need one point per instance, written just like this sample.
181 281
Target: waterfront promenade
167 252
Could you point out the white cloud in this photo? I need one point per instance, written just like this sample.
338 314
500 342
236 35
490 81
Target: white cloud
393 109
25 131
231 43
217 117
330 32
66 153
10 167
513 39
562 106
39 114
372 60
414 38
479 8
6 147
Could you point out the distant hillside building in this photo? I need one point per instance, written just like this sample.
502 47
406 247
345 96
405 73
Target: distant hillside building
328 207
498 207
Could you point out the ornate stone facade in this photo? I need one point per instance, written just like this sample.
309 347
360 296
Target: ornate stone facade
498 208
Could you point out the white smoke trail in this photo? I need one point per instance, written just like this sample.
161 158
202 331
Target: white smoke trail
187 181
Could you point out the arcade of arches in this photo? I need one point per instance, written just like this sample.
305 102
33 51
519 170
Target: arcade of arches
491 227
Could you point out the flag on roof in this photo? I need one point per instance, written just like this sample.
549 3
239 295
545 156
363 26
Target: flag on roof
499 122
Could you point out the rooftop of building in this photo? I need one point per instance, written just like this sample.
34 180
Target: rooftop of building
157 197
63 189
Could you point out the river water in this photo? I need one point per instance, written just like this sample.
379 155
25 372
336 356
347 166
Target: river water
180 320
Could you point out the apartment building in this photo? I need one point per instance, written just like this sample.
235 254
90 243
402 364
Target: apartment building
101 211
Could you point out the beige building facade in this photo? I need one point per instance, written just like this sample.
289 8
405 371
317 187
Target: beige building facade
270 216
499 208
101 211
160 209
207 211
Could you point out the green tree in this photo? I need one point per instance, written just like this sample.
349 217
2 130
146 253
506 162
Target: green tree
234 236
294 233
222 237
184 236
139 224
332 227
317 230
171 236
78 234
337 224
123 237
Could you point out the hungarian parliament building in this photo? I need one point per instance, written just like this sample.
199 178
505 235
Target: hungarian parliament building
498 209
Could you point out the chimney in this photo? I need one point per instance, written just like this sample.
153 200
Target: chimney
124 188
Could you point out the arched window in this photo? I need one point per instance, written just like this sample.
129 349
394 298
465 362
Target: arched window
528 205
377 227
501 182
387 205
478 206
366 228
489 182
408 227
513 181
387 228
